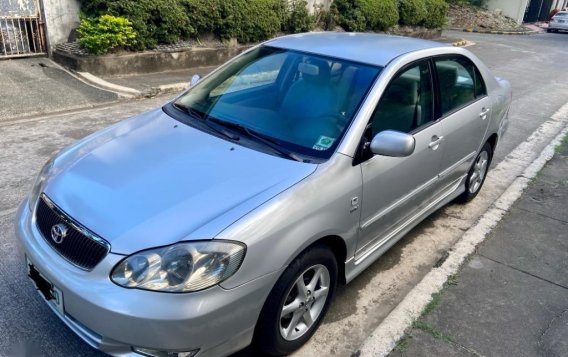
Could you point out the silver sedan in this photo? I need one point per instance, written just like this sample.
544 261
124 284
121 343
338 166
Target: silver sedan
559 22
228 216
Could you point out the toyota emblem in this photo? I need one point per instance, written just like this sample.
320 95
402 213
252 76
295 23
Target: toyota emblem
59 232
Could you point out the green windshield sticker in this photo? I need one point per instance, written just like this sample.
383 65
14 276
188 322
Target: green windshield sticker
323 143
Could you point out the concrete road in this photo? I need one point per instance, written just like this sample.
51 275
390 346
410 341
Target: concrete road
511 297
534 65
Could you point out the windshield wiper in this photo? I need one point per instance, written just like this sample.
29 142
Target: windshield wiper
203 118
265 139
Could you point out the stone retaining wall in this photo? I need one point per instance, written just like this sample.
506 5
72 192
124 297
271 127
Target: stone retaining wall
146 62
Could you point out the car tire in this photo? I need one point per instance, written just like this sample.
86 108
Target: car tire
548 30
274 333
477 174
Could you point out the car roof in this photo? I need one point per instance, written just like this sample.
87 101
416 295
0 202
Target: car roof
375 49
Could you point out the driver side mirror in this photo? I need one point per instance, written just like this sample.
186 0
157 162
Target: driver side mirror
393 143
196 78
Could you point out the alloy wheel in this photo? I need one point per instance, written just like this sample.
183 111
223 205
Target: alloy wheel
304 302
479 172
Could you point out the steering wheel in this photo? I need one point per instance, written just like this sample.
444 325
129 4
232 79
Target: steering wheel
338 120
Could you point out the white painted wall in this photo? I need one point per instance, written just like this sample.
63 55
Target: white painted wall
559 4
61 16
514 9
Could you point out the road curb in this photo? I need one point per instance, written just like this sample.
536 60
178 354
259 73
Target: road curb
383 339
462 43
128 92
165 88
125 92
527 32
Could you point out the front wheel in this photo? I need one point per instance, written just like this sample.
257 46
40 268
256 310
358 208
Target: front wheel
297 303
477 174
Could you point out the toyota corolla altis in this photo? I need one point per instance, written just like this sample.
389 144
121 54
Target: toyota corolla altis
228 216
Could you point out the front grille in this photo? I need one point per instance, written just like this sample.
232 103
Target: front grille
80 246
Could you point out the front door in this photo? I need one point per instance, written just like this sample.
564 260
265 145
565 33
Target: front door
395 188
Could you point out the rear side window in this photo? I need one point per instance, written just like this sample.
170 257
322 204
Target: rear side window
458 86
480 89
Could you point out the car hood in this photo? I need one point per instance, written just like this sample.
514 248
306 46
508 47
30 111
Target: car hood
152 181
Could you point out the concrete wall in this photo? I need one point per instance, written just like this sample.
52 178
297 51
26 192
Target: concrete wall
61 16
312 3
514 9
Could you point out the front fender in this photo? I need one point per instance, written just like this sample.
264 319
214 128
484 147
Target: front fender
279 230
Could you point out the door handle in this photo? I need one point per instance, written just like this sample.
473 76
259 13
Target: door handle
436 140
484 112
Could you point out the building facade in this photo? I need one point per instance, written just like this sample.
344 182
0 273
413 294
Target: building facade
527 10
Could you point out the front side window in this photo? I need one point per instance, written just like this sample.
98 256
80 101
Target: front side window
456 76
281 99
263 72
407 103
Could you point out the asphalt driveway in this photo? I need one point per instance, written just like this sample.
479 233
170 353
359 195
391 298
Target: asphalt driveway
38 85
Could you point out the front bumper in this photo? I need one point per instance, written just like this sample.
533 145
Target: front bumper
114 319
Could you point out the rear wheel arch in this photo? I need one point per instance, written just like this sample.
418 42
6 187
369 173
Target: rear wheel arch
493 139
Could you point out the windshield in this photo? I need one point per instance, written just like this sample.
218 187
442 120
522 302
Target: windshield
297 103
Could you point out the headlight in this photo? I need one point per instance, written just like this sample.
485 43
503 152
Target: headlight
39 184
183 267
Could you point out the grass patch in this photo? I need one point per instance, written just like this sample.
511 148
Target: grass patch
423 326
403 344
560 147
433 304
453 280
536 177
437 297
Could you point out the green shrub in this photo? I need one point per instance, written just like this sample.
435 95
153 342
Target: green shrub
361 15
204 15
412 12
349 15
299 18
437 11
380 14
250 20
102 34
155 21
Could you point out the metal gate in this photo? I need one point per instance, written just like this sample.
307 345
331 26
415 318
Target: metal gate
21 29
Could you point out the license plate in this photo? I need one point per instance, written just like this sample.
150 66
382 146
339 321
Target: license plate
47 290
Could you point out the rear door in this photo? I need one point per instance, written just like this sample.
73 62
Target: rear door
465 111
394 188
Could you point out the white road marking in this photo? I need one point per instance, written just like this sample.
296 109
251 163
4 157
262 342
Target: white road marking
392 328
